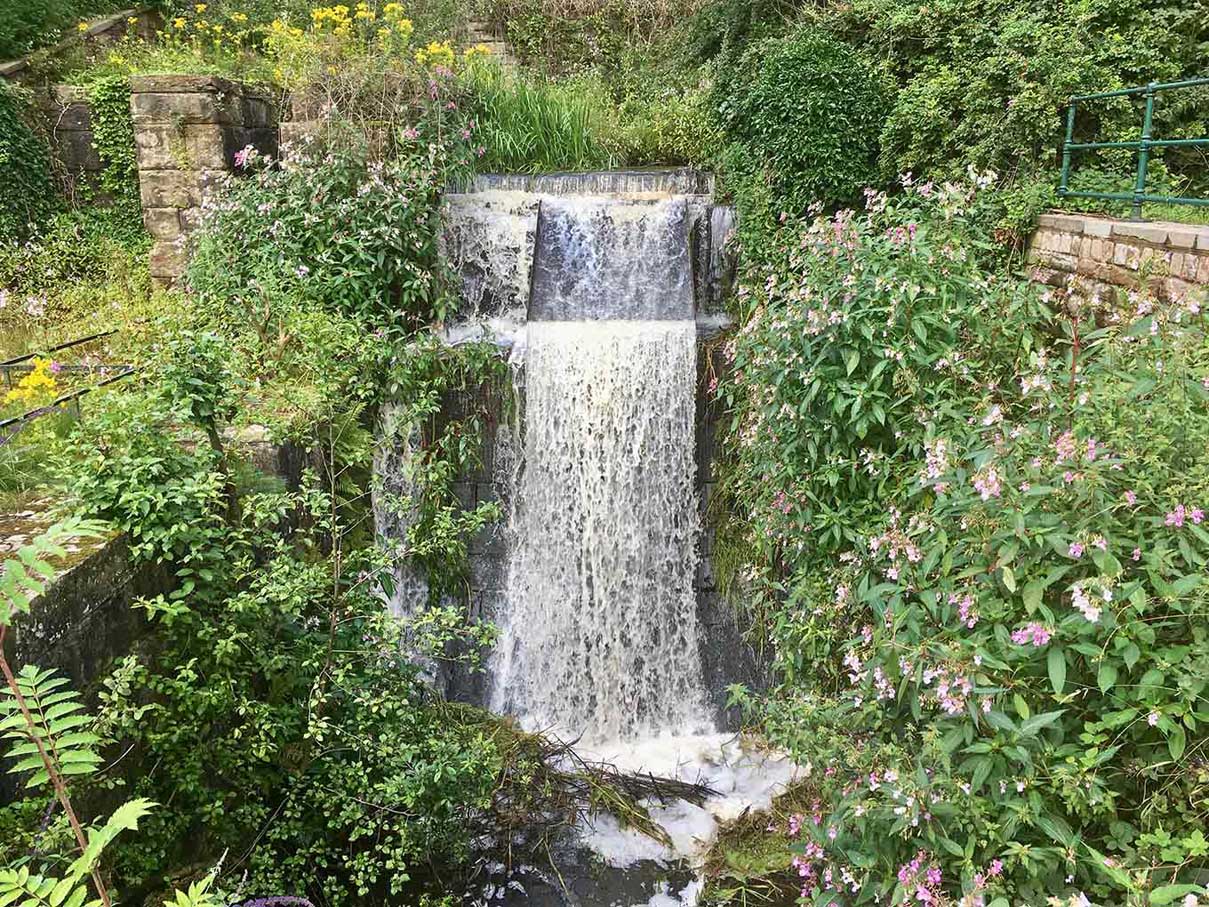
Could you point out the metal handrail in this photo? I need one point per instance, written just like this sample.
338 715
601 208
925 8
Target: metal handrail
1143 145
58 402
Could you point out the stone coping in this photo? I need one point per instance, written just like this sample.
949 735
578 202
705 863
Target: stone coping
1156 233
184 83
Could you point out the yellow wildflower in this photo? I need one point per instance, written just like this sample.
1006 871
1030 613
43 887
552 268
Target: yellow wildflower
83 26
393 9
178 22
200 7
38 386
479 50
239 17
132 20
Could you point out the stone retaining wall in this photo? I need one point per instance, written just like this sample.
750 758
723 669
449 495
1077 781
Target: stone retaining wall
1107 254
68 117
187 131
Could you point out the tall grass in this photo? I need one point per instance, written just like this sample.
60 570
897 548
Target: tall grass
532 126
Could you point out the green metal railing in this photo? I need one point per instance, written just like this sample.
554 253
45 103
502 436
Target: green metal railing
1143 145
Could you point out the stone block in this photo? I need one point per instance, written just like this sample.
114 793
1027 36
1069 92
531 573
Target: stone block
1151 233
190 219
163 223
168 259
169 189
76 152
1202 273
199 146
184 108
175 188
1181 239
1188 270
1066 223
183 84
259 111
1097 227
296 131
1202 240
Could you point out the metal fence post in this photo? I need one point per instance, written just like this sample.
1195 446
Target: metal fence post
1066 149
1139 188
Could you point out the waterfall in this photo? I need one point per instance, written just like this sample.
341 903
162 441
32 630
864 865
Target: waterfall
601 633
601 637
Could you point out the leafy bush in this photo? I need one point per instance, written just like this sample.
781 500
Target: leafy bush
329 225
33 23
977 530
806 110
27 195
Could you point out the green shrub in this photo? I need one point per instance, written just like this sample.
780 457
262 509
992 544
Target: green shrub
26 193
807 109
330 226
28 24
977 534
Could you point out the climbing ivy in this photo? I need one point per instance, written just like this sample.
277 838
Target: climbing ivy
113 138
26 193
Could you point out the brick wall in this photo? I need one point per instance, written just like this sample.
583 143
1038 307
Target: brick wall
187 130
1107 254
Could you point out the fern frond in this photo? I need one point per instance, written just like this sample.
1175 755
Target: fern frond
56 717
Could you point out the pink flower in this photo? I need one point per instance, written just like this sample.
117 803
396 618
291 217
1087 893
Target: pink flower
1035 633
1131 498
1197 515
1152 719
56 367
1076 550
1137 554
1176 517
986 483
244 156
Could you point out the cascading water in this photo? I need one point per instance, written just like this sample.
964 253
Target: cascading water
595 590
601 636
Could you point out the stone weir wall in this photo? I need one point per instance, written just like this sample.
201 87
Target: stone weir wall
1106 255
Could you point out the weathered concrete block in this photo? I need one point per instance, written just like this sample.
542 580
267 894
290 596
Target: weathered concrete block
168 260
163 223
183 108
1097 227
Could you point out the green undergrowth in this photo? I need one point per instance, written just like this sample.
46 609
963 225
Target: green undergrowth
745 865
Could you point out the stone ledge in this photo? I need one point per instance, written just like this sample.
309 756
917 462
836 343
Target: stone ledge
1158 233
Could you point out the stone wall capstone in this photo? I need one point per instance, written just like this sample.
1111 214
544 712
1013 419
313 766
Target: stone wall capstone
187 131
1105 254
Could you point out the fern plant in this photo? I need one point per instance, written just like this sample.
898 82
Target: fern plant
47 721
54 728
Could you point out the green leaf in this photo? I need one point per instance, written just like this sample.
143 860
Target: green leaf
1166 894
1056 663
1106 677
1176 741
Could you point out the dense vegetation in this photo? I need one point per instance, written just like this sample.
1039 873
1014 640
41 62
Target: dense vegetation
965 514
